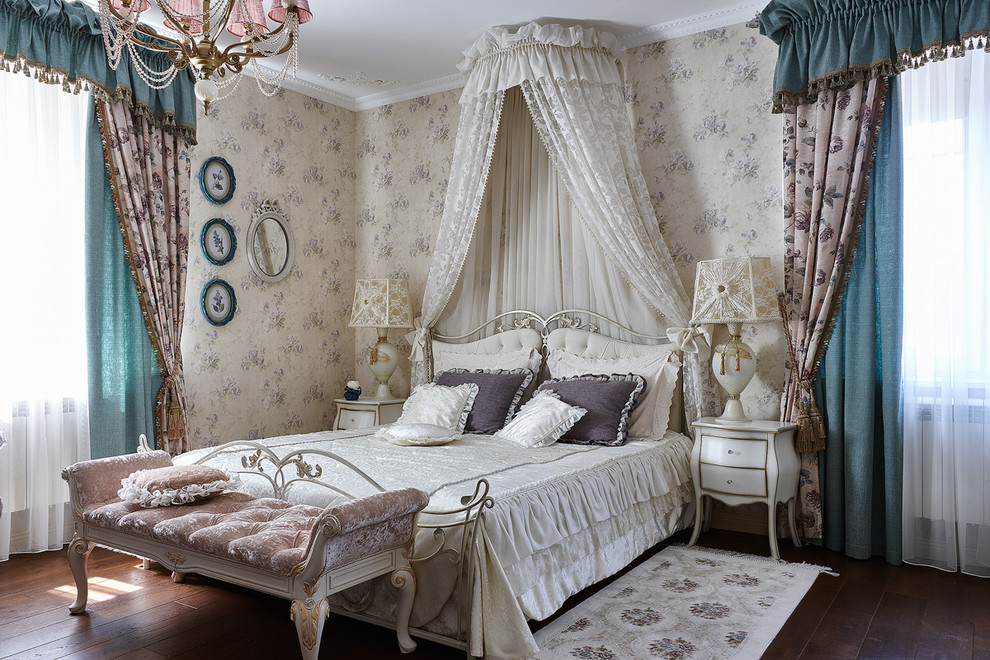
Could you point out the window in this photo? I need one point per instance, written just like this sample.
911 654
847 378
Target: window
947 314
43 404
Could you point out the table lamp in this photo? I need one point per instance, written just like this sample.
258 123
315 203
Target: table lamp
382 304
734 291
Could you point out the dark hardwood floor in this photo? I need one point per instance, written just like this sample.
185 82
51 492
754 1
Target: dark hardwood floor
872 610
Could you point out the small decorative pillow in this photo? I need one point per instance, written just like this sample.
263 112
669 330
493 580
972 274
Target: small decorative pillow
609 401
417 435
499 392
176 484
541 421
439 405
659 368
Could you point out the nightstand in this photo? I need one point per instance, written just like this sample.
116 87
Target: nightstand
366 412
743 462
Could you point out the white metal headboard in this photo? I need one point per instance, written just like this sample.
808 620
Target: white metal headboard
554 332
581 319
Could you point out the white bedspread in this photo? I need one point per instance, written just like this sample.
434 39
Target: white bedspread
565 516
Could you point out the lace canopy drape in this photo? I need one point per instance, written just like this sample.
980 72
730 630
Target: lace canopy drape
573 91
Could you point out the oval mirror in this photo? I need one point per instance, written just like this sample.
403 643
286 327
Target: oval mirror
269 242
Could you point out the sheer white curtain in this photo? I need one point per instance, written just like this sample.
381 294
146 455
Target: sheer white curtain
43 409
530 249
947 314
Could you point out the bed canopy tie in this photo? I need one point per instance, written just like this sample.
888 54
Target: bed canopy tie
573 90
691 340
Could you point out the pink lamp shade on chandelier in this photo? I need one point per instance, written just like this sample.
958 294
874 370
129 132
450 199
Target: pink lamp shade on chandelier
189 14
248 17
277 12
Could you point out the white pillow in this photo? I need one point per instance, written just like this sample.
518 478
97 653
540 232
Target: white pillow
541 421
445 359
439 405
417 435
175 485
651 416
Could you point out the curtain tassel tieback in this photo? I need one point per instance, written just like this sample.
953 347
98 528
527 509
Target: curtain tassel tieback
175 427
811 427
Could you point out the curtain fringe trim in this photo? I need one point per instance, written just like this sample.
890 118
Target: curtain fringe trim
74 84
903 61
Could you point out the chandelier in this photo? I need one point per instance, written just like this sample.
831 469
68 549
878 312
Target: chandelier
193 28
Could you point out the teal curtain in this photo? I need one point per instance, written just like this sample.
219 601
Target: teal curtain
825 43
124 377
859 380
64 41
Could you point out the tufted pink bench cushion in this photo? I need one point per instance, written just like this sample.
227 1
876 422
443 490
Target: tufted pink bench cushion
266 533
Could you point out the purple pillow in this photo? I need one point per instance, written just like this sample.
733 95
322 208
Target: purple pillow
499 392
608 399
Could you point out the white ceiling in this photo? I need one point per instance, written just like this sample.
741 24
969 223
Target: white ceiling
363 54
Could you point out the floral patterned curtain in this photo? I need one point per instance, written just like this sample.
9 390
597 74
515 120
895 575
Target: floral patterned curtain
150 171
829 147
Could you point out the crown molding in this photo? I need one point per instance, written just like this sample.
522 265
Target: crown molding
399 94
692 25
310 89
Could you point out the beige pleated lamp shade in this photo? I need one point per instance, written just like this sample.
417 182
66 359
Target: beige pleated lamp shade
735 290
381 303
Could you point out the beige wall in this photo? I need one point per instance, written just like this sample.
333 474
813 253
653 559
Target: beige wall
277 366
364 194
711 154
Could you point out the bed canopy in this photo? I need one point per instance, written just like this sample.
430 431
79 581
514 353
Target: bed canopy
591 191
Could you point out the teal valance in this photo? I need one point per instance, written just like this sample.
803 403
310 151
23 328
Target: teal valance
833 43
62 42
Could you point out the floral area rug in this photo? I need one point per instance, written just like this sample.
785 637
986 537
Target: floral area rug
684 604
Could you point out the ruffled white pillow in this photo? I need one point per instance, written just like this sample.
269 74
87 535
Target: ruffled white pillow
417 435
175 485
439 405
541 421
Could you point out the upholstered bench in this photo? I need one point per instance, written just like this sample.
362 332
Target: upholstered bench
299 552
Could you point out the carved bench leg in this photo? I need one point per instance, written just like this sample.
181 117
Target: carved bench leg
79 551
404 580
309 617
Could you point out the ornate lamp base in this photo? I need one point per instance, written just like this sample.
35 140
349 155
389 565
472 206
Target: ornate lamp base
383 357
734 364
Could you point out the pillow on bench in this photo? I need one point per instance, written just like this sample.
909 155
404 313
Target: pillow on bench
174 485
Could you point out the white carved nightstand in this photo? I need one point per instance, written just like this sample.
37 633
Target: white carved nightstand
366 412
743 462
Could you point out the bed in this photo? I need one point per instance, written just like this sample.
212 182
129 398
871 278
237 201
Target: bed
511 531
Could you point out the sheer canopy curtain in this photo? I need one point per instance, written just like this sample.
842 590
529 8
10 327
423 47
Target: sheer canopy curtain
43 403
947 315
531 250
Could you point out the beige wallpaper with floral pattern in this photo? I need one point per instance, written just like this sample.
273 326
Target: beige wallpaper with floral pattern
711 154
403 161
364 195
287 352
